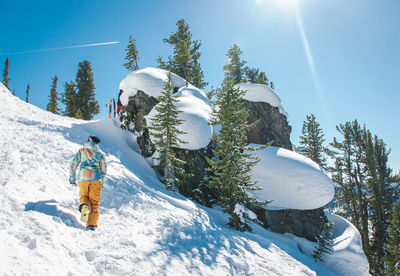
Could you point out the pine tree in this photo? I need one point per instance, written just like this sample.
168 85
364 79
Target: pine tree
392 258
6 79
132 55
78 114
311 141
234 69
272 85
27 93
230 169
85 98
164 128
253 75
324 242
68 99
52 106
353 197
381 199
185 59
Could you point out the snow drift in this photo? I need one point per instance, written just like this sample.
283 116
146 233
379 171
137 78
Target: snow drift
292 180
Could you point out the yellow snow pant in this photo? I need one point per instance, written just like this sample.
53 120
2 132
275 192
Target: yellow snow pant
90 195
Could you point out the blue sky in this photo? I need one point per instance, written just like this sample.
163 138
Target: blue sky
350 71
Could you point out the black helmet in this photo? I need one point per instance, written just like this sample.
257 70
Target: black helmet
94 139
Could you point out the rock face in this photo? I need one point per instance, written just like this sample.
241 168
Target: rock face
272 125
132 119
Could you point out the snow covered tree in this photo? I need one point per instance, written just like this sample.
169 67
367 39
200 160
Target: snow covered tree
132 55
52 106
27 93
85 99
68 99
230 169
6 79
164 128
311 141
234 69
392 247
185 59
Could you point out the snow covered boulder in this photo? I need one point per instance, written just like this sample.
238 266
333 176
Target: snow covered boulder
265 105
196 114
348 257
292 180
148 80
4 89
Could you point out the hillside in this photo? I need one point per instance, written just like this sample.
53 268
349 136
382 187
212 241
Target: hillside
143 229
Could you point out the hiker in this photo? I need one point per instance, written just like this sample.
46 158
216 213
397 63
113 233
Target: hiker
92 172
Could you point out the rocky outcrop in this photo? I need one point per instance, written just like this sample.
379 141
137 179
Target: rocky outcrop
272 126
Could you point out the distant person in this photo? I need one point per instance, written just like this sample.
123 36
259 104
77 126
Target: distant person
92 172
119 104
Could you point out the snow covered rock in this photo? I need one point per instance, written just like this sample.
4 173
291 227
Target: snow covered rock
149 80
265 105
261 93
3 88
196 113
292 180
347 257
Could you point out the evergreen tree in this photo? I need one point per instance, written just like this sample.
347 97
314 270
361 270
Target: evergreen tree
185 59
234 69
27 93
85 98
365 192
272 85
68 99
324 241
392 259
164 128
253 75
78 114
52 106
353 197
311 141
6 79
132 55
380 199
231 167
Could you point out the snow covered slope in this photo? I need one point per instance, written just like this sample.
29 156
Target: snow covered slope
289 178
143 229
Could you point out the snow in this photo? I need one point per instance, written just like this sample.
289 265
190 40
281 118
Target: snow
143 228
261 93
149 80
193 103
292 180
348 258
196 115
4 89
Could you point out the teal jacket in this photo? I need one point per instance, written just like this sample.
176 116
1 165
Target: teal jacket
91 162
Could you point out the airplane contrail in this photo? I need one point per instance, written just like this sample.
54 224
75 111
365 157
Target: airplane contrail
61 48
